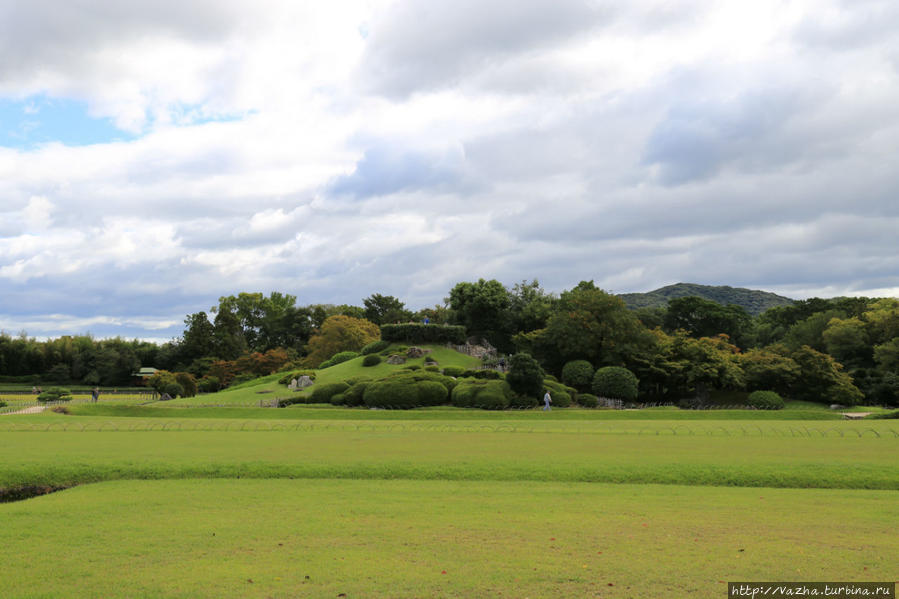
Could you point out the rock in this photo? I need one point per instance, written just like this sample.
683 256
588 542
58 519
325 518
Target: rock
293 385
416 352
304 381
836 406
396 359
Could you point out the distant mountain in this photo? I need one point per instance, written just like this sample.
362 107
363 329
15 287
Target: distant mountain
755 302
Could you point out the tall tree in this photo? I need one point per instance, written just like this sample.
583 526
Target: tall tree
385 309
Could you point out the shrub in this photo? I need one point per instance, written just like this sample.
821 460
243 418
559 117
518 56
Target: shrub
453 370
430 359
375 347
484 394
242 378
523 401
578 374
431 393
173 389
587 400
887 415
525 376
371 360
209 384
323 393
188 384
482 374
432 368
338 399
412 367
423 333
390 393
766 400
353 396
560 394
615 382
338 358
55 394
3 404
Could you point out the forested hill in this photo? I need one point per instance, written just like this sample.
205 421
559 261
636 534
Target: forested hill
754 301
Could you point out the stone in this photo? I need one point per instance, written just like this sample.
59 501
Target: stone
396 359
416 352
304 381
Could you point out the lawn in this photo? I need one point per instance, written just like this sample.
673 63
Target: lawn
389 538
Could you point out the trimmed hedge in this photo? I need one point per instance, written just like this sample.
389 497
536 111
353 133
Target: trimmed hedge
483 394
353 396
525 375
766 400
406 389
615 382
375 347
371 360
55 394
578 373
481 374
453 371
323 393
423 333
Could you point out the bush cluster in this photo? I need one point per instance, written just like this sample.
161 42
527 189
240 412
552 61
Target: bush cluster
562 396
587 400
338 358
483 394
766 400
55 394
353 396
375 347
406 389
480 374
371 360
423 333
456 371
578 374
615 382
323 393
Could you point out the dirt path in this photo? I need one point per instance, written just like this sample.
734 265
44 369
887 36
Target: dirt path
31 410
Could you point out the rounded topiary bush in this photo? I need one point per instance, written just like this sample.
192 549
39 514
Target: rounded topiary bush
432 368
391 393
173 389
519 401
587 400
525 376
374 347
371 360
578 374
563 396
324 393
482 374
615 382
338 399
453 370
55 394
431 393
766 400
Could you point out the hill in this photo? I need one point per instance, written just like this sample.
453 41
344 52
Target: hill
754 301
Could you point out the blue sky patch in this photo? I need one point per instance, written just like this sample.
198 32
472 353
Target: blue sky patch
36 120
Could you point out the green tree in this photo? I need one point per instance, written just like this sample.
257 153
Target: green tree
385 309
483 309
822 379
847 341
530 306
768 370
705 318
198 340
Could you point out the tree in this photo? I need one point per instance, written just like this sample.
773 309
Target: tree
198 340
530 306
822 379
385 309
482 308
768 370
705 318
340 333
525 375
615 382
593 325
847 341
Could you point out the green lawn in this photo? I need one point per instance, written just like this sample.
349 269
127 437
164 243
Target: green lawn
333 538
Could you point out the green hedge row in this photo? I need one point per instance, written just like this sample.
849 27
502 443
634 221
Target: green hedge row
423 333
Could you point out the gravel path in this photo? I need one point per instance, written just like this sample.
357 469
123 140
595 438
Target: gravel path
31 410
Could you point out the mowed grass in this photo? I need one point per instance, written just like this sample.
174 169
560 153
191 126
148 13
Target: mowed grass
35 450
333 538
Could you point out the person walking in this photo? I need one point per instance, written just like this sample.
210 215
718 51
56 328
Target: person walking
547 399
95 394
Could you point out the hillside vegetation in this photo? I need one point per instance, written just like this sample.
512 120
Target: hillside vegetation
753 301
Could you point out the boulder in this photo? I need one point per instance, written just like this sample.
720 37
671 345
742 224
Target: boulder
417 352
396 359
304 381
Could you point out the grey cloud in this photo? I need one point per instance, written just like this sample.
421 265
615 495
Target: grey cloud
850 24
45 35
422 45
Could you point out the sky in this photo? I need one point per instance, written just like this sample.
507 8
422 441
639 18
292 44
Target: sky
155 156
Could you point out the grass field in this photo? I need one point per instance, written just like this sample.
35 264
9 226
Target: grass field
327 538
249 502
